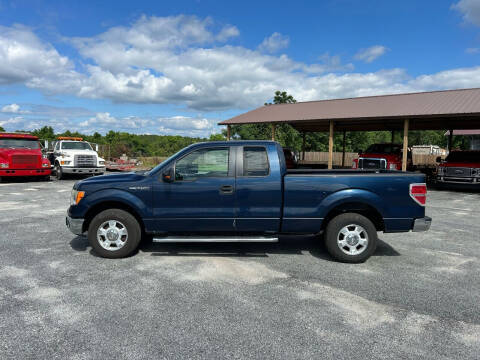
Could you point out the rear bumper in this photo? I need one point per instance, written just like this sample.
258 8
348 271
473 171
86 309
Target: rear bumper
422 224
74 225
72 170
25 172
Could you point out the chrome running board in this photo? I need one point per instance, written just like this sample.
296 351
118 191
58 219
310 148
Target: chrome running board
212 239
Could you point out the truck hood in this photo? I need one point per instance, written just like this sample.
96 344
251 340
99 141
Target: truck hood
461 164
22 158
108 180
79 152
388 157
6 152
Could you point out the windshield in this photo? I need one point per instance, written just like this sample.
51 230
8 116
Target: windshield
151 171
464 156
19 143
76 145
384 149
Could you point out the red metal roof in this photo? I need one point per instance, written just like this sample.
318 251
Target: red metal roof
426 110
464 132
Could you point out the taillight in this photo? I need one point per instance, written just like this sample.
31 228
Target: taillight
418 192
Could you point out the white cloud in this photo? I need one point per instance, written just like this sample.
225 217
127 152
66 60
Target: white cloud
370 54
25 58
227 32
470 10
472 50
274 42
11 122
12 108
178 60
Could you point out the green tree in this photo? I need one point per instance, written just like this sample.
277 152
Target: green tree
2 129
44 133
285 134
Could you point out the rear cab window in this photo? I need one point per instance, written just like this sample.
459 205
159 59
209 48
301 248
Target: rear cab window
255 161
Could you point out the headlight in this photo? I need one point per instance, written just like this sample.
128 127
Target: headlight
393 167
65 162
45 165
478 173
76 197
441 170
3 165
101 162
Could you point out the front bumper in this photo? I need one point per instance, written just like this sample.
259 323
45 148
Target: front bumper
25 172
458 180
422 224
74 225
73 170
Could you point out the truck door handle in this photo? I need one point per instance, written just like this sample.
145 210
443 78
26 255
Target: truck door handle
226 189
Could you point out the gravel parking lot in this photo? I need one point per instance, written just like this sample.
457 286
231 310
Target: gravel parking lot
417 297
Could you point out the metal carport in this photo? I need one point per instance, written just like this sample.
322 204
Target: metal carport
435 110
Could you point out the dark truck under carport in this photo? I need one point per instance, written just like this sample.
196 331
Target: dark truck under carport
241 191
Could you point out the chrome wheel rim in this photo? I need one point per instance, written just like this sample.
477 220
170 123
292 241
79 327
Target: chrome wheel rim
112 235
352 239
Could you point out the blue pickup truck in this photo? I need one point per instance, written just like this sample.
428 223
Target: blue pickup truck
242 191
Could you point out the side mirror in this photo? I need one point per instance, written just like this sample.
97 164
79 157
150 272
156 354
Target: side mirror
169 175
439 159
96 147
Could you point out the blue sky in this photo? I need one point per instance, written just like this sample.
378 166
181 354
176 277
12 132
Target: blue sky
179 67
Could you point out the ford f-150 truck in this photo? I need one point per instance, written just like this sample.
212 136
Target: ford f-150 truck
460 167
240 191
21 155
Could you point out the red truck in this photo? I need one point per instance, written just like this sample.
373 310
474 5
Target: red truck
21 155
460 167
382 156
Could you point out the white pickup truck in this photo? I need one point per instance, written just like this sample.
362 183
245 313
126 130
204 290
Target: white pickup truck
72 155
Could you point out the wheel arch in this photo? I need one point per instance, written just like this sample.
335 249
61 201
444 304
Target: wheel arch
358 207
111 204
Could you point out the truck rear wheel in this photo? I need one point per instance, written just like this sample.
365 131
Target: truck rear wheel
114 233
351 238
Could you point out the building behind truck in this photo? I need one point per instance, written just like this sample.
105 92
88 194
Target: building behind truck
21 155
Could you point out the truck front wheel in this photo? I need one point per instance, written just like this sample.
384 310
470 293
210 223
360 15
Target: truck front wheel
59 172
351 238
114 233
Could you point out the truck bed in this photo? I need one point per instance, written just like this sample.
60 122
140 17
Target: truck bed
311 194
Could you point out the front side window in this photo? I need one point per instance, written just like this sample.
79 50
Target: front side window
71 145
203 163
255 161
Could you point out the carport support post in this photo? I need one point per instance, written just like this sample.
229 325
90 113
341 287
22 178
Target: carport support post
343 147
393 136
450 139
228 132
273 132
330 146
303 145
405 145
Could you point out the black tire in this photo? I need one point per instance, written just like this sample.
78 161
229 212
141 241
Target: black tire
333 232
46 178
59 172
124 218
